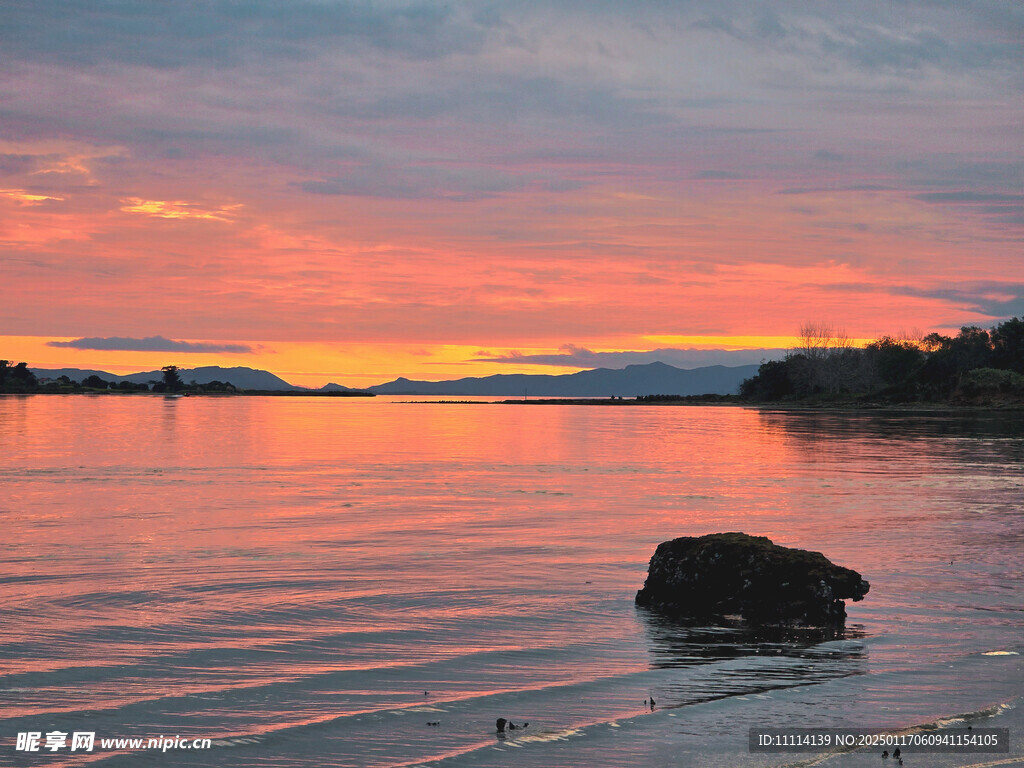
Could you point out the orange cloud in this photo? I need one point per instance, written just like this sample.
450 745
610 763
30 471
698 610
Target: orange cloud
178 209
24 198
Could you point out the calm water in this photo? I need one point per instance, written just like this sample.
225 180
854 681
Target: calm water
309 582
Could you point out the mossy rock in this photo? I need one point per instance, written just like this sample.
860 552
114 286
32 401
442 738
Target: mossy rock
730 574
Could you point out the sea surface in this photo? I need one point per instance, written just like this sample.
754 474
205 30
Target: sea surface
350 582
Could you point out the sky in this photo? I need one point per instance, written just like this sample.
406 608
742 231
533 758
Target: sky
355 191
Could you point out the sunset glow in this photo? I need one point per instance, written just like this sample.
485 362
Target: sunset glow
355 193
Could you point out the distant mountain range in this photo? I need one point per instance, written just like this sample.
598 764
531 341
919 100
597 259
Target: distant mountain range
243 378
633 380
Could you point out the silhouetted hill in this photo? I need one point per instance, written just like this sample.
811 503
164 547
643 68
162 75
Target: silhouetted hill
75 374
633 380
332 387
241 377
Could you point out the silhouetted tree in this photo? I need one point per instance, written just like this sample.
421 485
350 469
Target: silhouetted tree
949 358
95 382
892 361
775 380
172 381
830 362
1008 345
17 378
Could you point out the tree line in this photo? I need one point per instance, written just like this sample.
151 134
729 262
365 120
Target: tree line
19 379
975 363
16 378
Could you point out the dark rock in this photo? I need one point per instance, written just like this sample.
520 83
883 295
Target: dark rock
725 574
503 725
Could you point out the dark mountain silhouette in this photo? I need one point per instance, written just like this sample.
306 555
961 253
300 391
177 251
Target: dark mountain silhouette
76 374
241 377
633 380
332 387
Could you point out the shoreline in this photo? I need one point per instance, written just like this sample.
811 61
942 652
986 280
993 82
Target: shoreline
722 401
775 406
180 395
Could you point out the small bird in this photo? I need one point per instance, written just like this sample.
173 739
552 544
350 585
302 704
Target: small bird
885 754
900 761
896 754
652 703
433 722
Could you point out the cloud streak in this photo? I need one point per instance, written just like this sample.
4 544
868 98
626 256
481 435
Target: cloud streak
999 301
151 344
178 209
227 34
26 198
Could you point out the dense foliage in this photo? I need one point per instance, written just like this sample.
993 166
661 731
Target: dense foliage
16 378
976 363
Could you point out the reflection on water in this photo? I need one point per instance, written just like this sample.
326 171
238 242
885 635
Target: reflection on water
675 643
709 663
970 436
309 578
